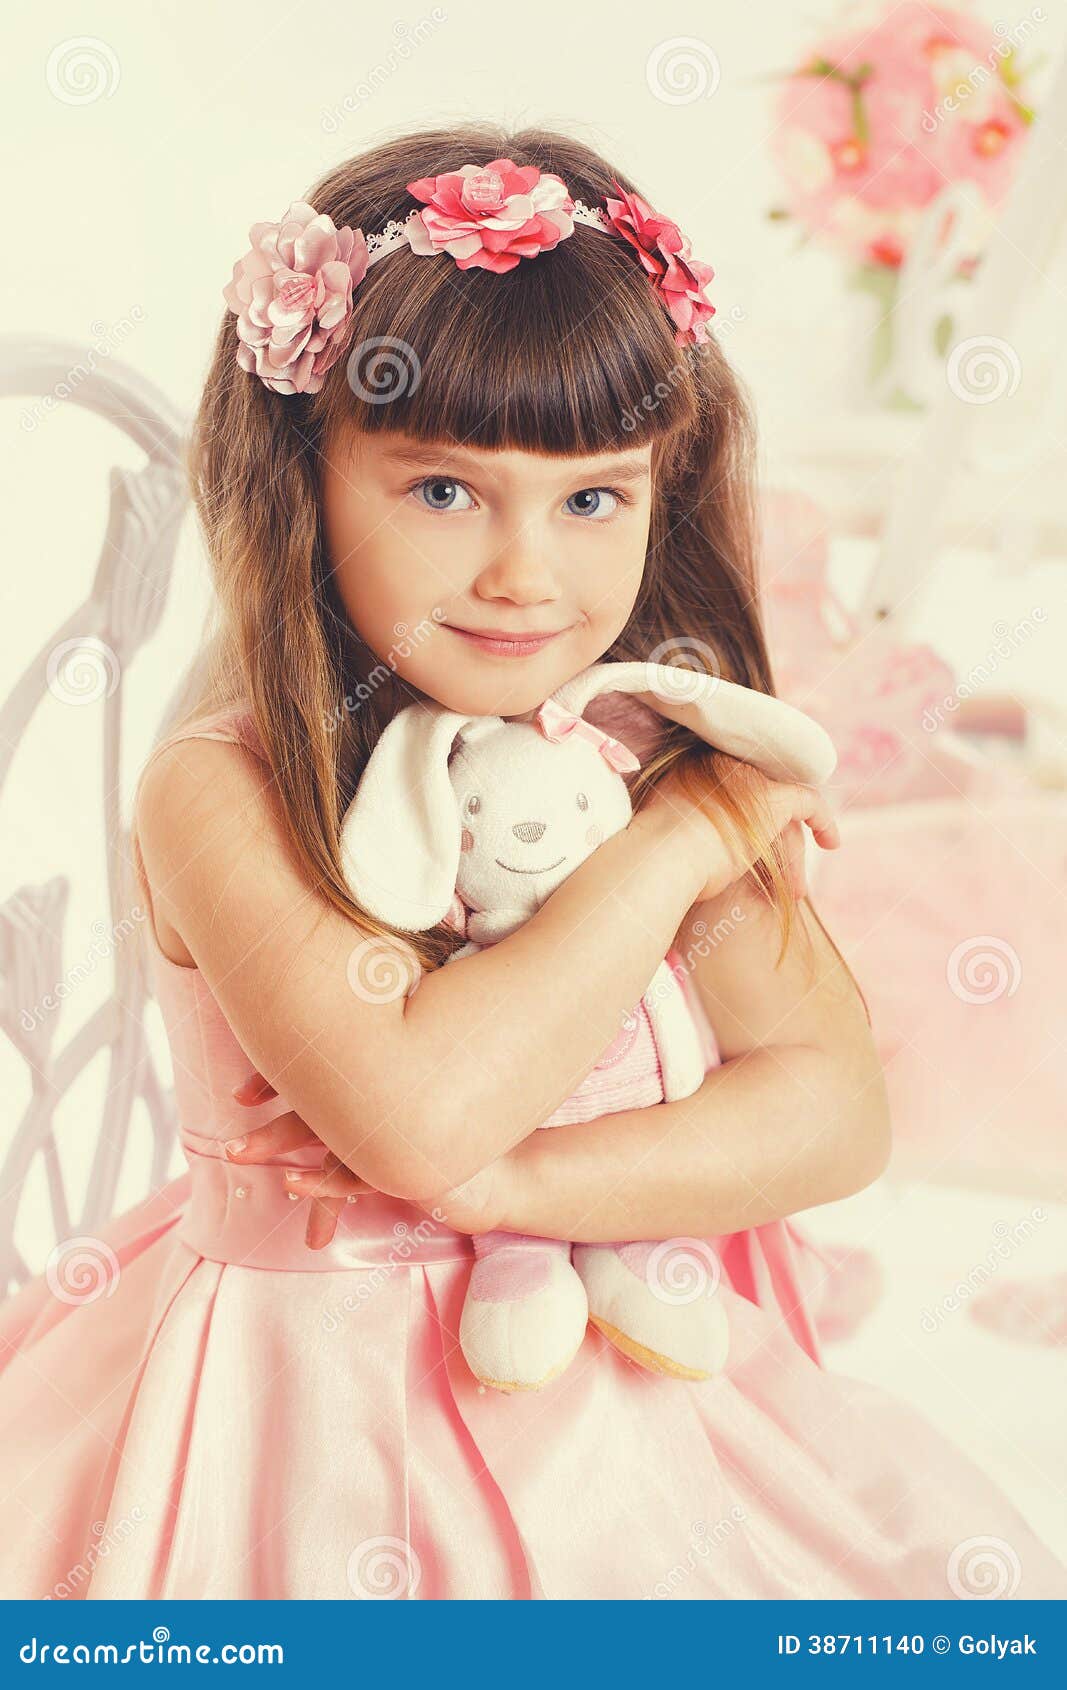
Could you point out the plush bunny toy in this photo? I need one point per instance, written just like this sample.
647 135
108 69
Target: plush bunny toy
501 819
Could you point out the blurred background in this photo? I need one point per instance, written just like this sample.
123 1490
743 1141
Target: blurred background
882 190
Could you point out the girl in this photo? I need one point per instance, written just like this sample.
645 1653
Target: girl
461 482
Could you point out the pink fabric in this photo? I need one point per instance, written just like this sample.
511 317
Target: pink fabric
626 1077
557 723
215 1428
511 1265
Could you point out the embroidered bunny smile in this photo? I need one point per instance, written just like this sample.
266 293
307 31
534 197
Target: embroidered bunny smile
544 870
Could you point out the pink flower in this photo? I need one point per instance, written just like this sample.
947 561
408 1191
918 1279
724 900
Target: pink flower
292 294
489 216
664 252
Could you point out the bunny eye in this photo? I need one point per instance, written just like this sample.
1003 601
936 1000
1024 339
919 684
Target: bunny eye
473 804
583 802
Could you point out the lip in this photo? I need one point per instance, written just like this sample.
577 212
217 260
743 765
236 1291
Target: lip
499 644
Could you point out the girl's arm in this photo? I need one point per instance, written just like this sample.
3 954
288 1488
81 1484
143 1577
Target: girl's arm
797 1114
414 1093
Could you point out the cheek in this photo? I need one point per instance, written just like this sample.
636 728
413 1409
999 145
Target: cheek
614 587
386 587
376 603
466 842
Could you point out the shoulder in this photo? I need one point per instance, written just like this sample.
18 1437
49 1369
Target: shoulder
185 779
203 807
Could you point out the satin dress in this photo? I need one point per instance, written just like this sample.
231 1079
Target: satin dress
238 1416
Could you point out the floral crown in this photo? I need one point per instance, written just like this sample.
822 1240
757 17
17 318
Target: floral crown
292 290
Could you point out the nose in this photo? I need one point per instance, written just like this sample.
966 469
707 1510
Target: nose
521 571
529 832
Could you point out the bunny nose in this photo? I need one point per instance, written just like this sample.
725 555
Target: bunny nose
528 832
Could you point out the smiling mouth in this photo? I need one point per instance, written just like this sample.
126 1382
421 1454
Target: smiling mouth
544 870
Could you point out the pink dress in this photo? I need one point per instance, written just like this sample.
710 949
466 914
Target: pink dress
242 1417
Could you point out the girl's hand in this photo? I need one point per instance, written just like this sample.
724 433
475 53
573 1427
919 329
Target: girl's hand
474 1206
329 1187
724 857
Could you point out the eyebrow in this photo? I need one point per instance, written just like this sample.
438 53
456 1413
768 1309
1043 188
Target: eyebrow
621 469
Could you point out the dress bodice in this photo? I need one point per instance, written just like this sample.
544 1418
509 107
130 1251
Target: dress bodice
243 1213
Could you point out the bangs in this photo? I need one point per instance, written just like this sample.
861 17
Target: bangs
568 353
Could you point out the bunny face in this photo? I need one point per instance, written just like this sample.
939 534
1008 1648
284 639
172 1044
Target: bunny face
530 811
411 837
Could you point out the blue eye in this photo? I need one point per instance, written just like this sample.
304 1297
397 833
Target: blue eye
440 486
440 493
599 511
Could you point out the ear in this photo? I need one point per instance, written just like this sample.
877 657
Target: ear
401 833
753 726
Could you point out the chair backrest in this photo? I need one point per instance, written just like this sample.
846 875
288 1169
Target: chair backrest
85 661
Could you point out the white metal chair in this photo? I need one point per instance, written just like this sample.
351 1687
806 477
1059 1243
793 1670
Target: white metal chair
90 648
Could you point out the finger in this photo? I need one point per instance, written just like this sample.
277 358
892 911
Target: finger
823 823
322 1221
255 1089
325 1182
285 1132
794 844
808 804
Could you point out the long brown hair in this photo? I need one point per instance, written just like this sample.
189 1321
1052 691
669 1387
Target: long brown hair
570 354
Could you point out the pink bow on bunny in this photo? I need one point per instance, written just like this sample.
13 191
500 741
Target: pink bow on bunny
557 723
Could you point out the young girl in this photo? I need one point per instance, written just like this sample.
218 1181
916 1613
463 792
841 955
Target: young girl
457 467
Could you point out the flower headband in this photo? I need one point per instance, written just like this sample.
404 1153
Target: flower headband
292 291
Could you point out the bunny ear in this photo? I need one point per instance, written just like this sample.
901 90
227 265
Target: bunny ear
753 726
401 833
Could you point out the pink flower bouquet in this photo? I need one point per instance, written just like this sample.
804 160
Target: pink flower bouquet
873 122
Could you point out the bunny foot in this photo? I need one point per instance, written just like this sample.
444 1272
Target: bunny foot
525 1313
633 1303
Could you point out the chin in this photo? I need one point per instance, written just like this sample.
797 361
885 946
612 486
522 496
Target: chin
483 698
458 687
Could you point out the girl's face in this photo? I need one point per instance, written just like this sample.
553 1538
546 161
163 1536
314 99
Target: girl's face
426 541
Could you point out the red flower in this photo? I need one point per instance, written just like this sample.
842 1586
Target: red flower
887 250
991 137
664 252
850 154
